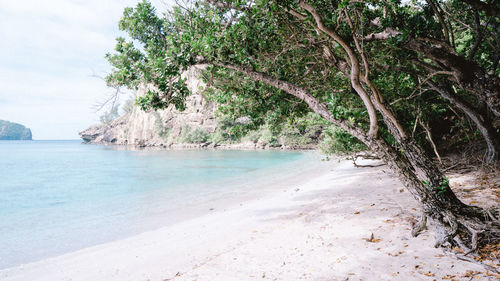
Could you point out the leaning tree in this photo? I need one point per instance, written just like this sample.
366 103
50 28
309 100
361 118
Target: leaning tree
361 65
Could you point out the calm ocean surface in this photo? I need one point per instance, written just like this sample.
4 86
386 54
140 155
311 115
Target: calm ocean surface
60 196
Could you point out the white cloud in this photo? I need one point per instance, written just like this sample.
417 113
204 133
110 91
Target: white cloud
49 51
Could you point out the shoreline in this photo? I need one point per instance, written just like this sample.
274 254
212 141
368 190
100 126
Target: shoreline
317 229
203 146
155 207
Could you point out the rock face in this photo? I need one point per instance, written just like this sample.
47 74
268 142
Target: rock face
161 127
13 131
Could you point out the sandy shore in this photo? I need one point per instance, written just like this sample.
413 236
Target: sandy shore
316 230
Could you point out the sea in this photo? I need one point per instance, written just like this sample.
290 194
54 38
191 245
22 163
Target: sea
61 196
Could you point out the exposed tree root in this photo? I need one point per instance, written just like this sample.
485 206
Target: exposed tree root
493 214
479 262
420 226
447 231
464 235
461 244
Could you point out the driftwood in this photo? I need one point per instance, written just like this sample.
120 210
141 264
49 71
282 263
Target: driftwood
365 156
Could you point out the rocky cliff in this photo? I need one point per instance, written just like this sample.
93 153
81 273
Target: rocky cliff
13 131
163 128
195 127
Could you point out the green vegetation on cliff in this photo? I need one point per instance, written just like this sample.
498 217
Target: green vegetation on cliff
308 131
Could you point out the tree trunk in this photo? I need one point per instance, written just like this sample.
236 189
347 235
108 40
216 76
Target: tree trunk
453 221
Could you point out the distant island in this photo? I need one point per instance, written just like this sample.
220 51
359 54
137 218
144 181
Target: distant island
13 131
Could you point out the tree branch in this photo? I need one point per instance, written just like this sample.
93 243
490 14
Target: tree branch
428 78
488 132
281 85
225 5
383 35
479 36
441 20
300 93
489 9
429 136
355 72
296 14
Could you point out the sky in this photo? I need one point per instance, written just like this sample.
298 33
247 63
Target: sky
49 52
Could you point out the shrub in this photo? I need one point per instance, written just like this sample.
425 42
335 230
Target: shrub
128 106
217 137
267 137
232 131
159 128
110 114
336 141
253 136
198 135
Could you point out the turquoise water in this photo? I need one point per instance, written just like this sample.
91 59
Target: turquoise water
60 196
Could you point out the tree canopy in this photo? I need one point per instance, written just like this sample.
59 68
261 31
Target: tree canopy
378 69
421 56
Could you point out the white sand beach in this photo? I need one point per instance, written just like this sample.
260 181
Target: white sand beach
318 229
